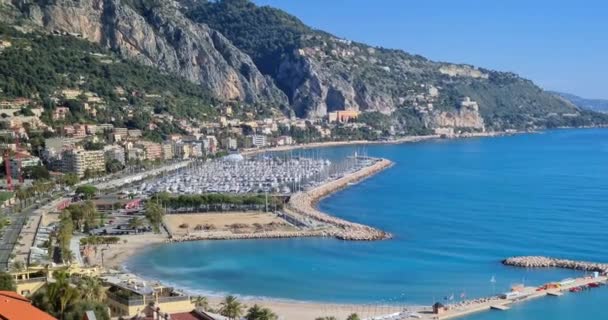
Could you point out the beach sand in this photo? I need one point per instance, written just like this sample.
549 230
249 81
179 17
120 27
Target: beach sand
294 310
114 255
221 220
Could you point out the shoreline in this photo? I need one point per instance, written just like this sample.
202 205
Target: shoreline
401 140
302 206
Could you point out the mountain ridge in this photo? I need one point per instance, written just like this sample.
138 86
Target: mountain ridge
599 105
261 55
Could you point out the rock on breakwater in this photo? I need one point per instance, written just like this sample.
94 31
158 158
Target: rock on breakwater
548 262
303 203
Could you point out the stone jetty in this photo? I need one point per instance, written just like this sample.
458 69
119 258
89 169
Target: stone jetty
304 204
548 262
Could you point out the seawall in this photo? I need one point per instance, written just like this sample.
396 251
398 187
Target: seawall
304 204
548 262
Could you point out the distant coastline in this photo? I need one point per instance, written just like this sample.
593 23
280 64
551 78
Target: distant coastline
407 139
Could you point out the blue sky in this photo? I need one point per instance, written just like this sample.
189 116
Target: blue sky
561 45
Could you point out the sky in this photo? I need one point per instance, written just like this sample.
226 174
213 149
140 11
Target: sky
560 45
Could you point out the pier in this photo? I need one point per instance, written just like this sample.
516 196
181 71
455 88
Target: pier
503 303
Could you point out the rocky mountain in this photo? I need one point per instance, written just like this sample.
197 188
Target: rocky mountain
321 73
260 55
599 105
155 33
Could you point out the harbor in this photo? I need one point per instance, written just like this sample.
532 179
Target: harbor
300 211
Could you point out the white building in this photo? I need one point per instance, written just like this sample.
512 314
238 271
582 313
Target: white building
258 140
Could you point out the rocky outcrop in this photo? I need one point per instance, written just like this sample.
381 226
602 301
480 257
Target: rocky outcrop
156 33
316 89
466 116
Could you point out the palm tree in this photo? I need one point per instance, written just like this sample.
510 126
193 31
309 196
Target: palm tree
91 289
353 316
201 302
231 308
67 298
258 313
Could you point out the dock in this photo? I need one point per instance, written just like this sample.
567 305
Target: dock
467 308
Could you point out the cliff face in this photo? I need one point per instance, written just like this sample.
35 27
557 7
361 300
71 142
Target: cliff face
315 88
321 73
156 33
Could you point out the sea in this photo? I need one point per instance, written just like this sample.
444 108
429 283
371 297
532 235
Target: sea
456 208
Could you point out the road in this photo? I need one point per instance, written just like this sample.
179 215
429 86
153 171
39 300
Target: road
10 236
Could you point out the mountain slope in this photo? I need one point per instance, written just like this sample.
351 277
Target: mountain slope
155 33
322 73
599 105
265 57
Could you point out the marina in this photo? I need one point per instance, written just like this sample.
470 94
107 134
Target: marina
262 174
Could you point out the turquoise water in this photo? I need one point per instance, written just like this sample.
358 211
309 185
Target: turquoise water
456 209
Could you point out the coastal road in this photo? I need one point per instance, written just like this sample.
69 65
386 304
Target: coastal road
10 236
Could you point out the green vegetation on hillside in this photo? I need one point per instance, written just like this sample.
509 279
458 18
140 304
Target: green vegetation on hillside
39 66
264 33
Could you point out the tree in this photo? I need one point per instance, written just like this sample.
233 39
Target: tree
135 223
258 313
7 282
231 308
78 310
64 234
201 302
88 191
154 213
91 289
69 179
36 173
114 166
353 316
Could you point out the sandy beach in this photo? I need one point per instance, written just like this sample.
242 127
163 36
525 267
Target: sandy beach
294 310
225 222
114 255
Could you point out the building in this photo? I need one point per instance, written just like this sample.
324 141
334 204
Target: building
18 164
134 133
342 116
284 141
27 282
128 297
167 149
136 154
14 306
78 161
80 131
196 150
230 143
114 152
258 140
60 113
182 151
153 150
210 144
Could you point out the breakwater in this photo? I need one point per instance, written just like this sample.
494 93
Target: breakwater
548 262
304 204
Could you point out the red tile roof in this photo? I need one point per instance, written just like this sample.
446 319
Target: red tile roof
13 306
186 316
